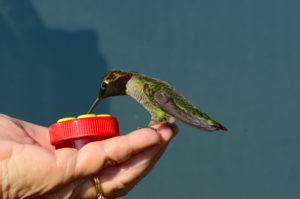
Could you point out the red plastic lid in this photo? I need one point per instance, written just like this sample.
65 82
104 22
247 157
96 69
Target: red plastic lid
89 125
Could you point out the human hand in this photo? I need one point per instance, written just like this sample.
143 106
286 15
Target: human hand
31 167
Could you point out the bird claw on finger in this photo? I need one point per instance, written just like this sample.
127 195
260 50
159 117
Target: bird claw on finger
149 127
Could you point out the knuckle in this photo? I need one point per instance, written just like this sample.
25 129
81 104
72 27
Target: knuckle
120 189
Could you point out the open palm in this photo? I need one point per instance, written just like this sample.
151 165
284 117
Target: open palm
31 167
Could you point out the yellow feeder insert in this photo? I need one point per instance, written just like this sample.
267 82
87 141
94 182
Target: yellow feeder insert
104 115
86 115
66 119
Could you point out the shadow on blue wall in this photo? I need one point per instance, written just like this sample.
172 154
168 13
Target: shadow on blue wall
45 74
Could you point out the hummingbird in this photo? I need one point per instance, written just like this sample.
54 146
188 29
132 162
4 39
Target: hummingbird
164 103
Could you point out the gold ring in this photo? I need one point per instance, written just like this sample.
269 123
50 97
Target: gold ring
99 193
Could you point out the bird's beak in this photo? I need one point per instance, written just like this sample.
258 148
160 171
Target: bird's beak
95 103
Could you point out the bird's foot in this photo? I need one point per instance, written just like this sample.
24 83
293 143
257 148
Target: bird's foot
149 127
154 129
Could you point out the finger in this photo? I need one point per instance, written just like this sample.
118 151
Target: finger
118 180
166 132
129 173
97 155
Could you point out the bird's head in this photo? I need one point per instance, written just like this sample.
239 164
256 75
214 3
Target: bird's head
113 83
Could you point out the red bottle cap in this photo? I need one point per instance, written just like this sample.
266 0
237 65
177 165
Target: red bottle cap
85 126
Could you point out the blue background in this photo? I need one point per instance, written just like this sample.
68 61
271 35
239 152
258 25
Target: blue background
238 61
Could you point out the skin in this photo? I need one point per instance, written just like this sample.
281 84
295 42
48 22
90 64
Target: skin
32 168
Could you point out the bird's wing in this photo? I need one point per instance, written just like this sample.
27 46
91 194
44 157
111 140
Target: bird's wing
167 104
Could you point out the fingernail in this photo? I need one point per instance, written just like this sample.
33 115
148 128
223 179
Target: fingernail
174 128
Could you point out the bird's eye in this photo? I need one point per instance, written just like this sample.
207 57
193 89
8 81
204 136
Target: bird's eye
104 85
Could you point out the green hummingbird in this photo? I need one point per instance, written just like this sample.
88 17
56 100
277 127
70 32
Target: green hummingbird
164 103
